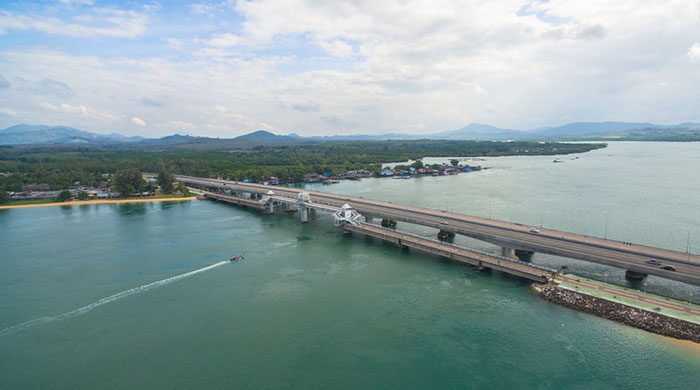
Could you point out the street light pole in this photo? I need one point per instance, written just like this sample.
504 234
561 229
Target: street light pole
606 228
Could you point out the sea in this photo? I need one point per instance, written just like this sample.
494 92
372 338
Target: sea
141 295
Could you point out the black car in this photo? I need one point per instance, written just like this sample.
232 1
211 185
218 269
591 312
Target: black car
668 268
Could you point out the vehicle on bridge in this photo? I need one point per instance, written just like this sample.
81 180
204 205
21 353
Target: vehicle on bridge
668 268
652 262
533 230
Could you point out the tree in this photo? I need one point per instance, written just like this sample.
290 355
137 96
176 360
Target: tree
82 195
63 196
182 189
454 162
165 181
129 181
127 190
4 198
418 164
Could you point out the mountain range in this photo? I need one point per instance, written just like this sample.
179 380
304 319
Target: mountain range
40 134
61 135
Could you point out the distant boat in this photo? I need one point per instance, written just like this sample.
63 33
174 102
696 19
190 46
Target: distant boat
239 257
557 161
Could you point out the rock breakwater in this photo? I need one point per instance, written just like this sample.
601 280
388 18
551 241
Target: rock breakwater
628 315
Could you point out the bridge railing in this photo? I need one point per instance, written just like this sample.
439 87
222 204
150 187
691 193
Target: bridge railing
531 265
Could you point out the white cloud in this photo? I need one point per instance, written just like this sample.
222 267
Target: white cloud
49 106
80 109
175 125
105 22
45 87
694 51
224 40
8 112
65 107
78 2
138 121
315 67
337 48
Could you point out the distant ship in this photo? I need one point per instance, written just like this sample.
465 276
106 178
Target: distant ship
239 257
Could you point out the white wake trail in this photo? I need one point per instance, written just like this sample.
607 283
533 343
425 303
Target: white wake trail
103 301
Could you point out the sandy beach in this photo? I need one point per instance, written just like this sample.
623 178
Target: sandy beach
686 348
88 202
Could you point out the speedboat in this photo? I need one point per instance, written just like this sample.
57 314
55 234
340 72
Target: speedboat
236 258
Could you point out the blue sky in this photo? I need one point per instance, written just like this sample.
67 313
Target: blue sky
225 68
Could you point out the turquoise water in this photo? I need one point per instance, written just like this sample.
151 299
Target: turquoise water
87 299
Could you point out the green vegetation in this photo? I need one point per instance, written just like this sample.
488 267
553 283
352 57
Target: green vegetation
63 196
28 202
4 198
649 134
129 181
60 167
165 181
182 189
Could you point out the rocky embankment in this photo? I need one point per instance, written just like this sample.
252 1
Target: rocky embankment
638 318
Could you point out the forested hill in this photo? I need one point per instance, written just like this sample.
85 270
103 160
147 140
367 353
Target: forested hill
62 166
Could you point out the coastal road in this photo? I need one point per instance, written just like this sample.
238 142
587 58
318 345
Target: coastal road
618 291
511 235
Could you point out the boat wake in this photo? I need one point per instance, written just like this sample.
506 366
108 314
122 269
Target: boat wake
104 301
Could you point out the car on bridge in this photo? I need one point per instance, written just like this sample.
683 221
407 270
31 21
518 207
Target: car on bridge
533 230
444 223
652 262
668 268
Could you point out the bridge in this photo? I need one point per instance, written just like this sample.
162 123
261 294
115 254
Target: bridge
512 237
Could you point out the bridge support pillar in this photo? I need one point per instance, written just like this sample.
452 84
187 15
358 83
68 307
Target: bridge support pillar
523 254
508 252
388 222
444 235
304 214
633 275
402 246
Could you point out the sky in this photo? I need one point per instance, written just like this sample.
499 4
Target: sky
315 67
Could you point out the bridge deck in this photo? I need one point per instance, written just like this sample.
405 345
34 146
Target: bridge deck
510 266
516 236
234 199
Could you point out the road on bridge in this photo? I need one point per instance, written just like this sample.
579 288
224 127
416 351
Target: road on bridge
503 233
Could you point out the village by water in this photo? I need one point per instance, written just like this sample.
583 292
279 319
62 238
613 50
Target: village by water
140 296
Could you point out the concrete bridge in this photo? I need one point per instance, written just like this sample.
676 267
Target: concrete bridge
512 237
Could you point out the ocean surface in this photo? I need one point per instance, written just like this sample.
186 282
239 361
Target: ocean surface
139 296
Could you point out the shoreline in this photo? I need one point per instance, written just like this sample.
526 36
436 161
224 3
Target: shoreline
635 317
89 202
